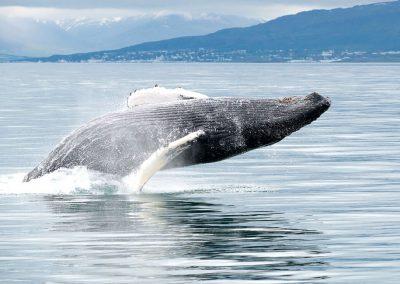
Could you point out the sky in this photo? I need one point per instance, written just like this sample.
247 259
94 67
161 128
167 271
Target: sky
259 9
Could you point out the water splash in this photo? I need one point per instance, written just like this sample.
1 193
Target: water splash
81 181
78 180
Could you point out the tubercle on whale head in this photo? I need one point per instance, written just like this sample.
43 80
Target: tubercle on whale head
313 97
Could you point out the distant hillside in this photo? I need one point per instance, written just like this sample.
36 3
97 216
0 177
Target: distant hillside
361 33
11 58
30 37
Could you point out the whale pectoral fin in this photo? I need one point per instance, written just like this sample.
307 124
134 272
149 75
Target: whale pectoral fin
162 157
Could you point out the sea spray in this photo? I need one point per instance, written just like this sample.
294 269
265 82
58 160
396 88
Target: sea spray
78 180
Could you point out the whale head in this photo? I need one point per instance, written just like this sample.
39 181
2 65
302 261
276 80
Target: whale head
246 124
269 121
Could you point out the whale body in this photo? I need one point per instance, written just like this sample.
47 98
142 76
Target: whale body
188 132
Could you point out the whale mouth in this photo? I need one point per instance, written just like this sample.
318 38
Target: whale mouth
319 104
292 113
310 107
303 108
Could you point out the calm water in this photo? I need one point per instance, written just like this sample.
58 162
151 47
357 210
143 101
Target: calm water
322 206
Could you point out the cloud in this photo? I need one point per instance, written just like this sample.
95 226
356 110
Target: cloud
171 4
45 13
264 9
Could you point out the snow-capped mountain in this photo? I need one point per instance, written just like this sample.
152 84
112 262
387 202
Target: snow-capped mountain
25 36
364 33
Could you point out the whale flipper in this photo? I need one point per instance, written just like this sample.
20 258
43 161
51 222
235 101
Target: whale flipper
162 157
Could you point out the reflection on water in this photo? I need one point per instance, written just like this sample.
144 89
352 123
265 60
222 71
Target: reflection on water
320 206
166 237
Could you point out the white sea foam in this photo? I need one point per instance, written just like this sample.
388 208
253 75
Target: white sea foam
78 180
81 181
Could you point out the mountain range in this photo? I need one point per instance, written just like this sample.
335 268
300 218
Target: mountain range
21 36
361 33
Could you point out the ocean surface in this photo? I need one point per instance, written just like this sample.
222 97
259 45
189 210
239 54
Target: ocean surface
322 206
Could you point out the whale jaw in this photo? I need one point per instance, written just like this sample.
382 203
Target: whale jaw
302 111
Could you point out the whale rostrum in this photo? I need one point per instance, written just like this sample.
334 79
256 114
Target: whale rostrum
151 137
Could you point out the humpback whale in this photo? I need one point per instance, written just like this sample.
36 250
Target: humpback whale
155 136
